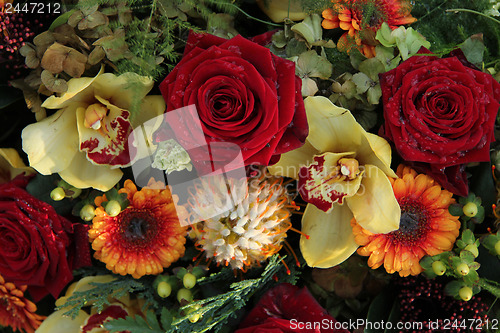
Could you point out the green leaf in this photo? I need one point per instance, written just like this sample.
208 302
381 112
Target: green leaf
61 19
473 49
374 94
166 318
381 308
467 257
471 278
310 64
372 67
468 236
309 29
135 324
41 186
362 81
8 95
453 287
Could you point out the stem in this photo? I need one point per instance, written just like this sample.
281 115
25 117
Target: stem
473 12
490 286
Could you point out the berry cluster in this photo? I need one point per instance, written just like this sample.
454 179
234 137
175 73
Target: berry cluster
15 30
423 300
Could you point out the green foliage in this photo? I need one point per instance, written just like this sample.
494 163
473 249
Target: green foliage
102 292
446 30
137 324
213 311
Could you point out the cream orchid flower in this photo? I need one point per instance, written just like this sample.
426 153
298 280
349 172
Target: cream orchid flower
86 322
86 140
11 165
343 173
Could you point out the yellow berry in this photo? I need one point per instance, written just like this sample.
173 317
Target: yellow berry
113 208
473 249
57 194
470 209
189 280
438 267
87 213
194 318
465 293
185 294
463 269
497 247
164 289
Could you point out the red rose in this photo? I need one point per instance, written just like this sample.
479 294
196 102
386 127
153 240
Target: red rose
440 112
38 247
287 308
244 95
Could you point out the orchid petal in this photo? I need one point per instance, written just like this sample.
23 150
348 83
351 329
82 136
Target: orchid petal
375 207
378 152
125 90
322 185
52 143
81 173
12 163
291 162
331 128
109 144
79 91
57 322
334 129
331 240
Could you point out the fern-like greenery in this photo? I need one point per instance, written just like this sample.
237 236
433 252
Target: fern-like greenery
214 311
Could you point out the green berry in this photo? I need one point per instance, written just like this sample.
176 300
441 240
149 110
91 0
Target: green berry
438 267
87 213
189 280
185 294
57 194
470 209
473 249
194 318
164 289
113 208
497 247
463 269
465 293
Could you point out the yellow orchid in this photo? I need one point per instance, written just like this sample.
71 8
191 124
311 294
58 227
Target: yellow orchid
279 10
86 322
11 165
86 140
343 173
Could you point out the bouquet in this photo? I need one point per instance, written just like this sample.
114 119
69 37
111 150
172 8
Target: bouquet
249 166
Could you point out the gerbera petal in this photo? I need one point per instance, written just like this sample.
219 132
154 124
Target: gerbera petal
83 174
51 144
377 209
330 236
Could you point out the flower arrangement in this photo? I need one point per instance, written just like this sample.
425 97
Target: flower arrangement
249 166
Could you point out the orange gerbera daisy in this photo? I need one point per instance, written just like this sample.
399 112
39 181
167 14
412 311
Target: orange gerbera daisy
362 18
145 237
426 227
15 310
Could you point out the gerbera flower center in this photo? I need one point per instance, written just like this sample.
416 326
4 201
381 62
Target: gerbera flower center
138 227
413 223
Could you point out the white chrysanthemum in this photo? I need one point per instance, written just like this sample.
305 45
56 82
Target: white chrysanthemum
243 221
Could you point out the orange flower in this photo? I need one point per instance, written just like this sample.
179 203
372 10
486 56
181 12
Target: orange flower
145 237
426 226
15 310
362 18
